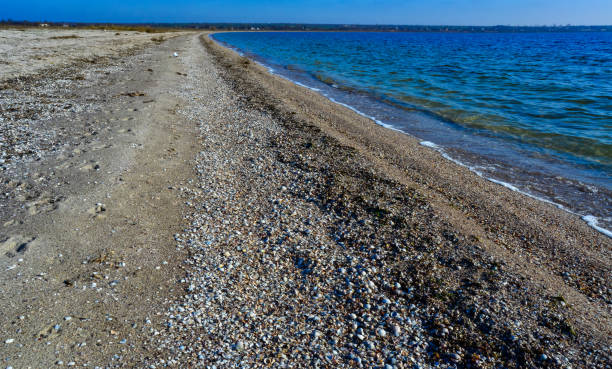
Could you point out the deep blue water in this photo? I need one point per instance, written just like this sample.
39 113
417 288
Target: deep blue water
531 111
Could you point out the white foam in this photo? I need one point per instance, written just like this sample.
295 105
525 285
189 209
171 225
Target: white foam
429 144
591 220
303 85
377 121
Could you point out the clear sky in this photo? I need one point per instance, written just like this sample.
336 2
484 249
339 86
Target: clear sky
418 12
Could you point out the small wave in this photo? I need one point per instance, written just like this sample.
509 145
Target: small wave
303 85
593 223
429 144
591 220
377 121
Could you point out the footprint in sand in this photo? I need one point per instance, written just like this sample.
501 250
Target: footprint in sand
49 332
42 205
98 211
16 244
101 147
64 165
90 166
77 152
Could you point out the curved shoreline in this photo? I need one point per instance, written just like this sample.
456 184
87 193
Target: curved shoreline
589 219
509 225
195 210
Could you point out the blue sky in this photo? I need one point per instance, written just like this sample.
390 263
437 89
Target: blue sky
432 12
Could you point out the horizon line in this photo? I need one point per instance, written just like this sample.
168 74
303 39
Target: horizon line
8 20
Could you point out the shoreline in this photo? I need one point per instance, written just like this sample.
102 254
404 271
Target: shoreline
207 212
474 206
592 220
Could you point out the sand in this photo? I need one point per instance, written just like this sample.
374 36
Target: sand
117 174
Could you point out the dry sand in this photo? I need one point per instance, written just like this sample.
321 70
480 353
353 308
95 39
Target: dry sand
31 50
160 211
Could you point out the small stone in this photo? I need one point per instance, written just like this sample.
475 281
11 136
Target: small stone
396 330
239 346
381 332
67 318
9 340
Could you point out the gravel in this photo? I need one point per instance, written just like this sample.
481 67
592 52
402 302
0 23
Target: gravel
302 255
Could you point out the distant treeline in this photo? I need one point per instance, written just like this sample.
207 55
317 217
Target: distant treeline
156 27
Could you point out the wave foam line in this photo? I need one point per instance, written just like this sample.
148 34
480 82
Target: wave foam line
590 220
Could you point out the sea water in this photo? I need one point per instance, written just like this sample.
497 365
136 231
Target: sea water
530 111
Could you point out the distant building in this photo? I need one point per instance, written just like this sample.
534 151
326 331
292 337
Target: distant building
44 25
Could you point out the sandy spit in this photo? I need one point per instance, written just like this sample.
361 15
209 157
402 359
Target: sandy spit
196 211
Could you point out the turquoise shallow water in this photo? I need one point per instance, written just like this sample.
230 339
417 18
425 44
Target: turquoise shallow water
531 111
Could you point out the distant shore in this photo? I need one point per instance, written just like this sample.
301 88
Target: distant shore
213 27
195 210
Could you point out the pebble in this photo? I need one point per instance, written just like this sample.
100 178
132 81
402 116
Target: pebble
285 268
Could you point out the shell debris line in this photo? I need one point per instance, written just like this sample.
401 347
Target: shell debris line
303 255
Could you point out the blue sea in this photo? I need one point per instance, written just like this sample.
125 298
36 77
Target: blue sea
530 111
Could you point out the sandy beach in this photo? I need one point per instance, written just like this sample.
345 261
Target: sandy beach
195 211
